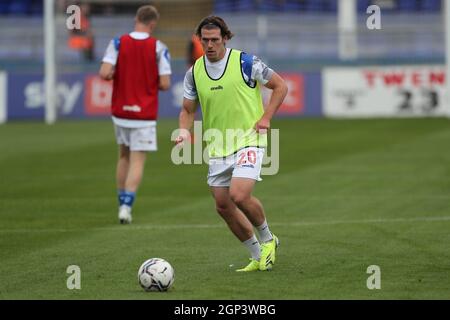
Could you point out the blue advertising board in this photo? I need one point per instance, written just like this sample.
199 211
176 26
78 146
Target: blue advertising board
84 95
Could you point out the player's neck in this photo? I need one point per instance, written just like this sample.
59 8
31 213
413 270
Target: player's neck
142 28
220 58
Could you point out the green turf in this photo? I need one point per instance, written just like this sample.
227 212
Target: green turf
349 194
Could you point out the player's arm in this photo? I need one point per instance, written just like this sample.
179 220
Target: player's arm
109 60
186 119
164 82
279 91
164 67
106 71
189 107
187 114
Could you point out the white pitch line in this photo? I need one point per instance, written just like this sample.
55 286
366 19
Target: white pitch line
210 226
367 221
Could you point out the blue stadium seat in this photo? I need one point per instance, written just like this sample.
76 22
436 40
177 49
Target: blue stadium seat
293 5
245 6
314 6
318 5
331 5
223 6
4 7
407 5
362 5
37 7
268 5
19 7
431 5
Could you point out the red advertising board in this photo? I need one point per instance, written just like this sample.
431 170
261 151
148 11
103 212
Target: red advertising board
294 101
97 100
293 104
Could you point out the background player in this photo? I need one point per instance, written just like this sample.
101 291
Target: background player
140 66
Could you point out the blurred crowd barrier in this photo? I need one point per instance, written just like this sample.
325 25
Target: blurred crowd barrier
399 70
278 30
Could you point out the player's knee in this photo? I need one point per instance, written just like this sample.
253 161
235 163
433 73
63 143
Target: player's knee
124 154
239 198
222 209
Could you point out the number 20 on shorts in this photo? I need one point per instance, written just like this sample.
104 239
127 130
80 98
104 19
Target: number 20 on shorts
249 156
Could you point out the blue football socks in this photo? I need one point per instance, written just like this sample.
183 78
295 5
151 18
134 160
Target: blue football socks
126 198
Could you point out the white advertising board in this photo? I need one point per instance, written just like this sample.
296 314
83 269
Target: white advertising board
3 97
384 91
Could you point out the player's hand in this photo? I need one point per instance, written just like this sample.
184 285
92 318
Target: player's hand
262 125
110 76
182 137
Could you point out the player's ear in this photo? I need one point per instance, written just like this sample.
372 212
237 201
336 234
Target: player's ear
151 26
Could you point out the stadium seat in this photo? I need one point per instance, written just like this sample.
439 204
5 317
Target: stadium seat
19 7
330 5
245 6
292 5
362 5
431 5
314 6
269 5
221 6
37 7
4 7
407 5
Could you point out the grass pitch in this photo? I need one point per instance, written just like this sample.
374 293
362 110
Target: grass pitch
349 194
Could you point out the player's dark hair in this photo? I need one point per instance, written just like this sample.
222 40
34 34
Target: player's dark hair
147 14
214 22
